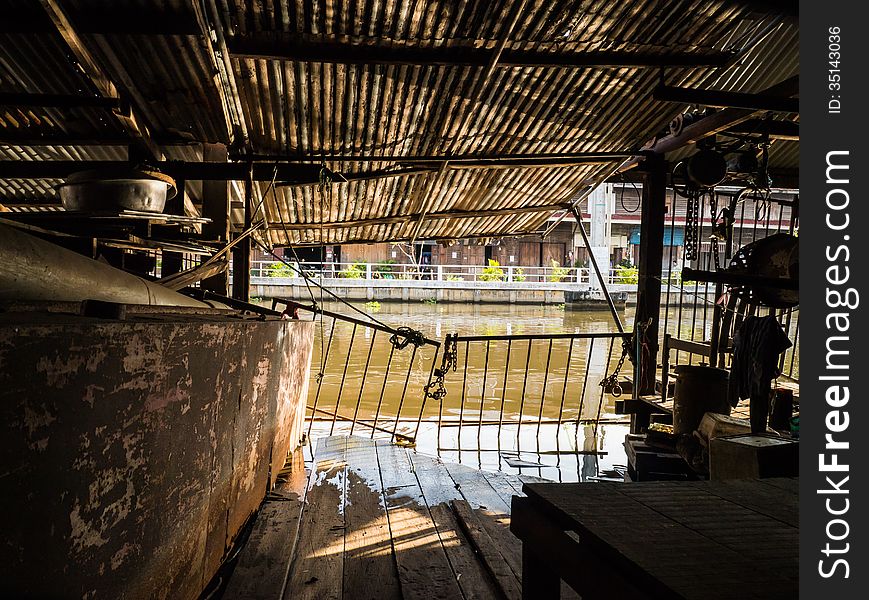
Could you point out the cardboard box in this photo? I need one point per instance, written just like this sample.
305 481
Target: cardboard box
753 456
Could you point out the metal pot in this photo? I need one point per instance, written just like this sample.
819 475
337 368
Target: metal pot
133 189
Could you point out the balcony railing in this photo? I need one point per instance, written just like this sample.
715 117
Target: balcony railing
444 273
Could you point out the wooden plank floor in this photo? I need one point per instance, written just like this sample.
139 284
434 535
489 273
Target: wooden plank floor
375 520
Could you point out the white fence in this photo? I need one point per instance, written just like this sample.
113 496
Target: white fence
467 273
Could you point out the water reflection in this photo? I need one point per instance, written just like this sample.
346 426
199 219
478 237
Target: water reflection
540 400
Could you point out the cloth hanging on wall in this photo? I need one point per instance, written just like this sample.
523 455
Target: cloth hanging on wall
757 345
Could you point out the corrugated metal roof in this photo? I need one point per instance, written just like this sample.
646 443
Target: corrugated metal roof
315 109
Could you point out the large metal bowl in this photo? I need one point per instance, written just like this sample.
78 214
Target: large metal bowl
94 191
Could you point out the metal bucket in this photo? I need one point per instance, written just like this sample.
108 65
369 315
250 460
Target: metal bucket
94 191
699 389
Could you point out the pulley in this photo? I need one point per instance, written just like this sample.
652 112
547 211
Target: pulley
706 168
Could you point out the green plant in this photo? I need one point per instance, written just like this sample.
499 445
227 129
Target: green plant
454 277
354 271
431 300
280 270
626 274
373 305
493 272
383 269
675 278
519 274
558 273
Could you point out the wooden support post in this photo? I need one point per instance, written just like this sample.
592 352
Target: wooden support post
241 252
173 262
215 206
649 277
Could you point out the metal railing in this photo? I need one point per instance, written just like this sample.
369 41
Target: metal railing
480 393
358 364
692 311
524 382
446 272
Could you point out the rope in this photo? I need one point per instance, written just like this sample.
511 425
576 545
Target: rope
411 336
307 277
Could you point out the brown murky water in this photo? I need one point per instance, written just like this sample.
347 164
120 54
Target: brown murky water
551 387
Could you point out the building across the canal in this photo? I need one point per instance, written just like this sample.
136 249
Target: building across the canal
615 210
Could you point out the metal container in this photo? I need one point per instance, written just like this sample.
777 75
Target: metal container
699 389
133 189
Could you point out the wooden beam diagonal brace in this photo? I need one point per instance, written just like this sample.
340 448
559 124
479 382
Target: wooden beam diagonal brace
725 99
140 137
715 123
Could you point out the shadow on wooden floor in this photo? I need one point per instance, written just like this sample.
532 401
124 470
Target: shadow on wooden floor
372 520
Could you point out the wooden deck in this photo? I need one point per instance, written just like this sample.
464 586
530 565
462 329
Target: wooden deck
375 520
371 520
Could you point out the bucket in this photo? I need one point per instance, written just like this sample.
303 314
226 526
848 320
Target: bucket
699 389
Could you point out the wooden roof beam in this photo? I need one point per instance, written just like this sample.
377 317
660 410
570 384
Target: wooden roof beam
418 217
287 173
272 47
25 100
720 121
129 20
454 159
724 99
776 130
140 139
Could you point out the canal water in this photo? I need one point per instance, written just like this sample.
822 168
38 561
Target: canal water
528 406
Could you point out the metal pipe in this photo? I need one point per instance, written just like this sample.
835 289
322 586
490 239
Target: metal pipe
383 387
431 370
543 394
35 269
584 383
564 388
504 391
578 216
483 392
524 388
343 378
364 377
404 391
324 359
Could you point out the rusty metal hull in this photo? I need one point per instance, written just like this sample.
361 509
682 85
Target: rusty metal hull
133 451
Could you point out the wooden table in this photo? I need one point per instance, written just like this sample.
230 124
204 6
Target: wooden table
709 540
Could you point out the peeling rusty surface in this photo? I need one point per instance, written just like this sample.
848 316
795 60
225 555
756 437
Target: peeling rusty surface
134 450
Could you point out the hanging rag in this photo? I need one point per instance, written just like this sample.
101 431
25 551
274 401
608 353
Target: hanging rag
757 345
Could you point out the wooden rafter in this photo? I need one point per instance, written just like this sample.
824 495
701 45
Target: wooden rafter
276 47
419 217
725 99
140 137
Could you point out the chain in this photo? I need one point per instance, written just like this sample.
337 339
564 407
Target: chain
436 390
713 209
692 231
611 382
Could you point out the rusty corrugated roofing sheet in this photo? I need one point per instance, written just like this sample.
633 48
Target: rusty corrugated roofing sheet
321 108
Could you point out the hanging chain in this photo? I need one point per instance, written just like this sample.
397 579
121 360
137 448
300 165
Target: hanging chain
716 231
692 229
611 382
436 390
